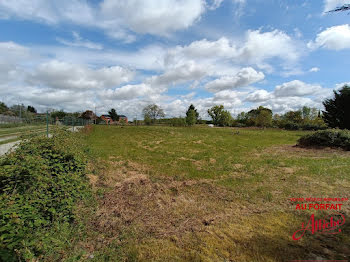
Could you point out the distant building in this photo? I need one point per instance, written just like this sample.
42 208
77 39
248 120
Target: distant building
123 118
109 120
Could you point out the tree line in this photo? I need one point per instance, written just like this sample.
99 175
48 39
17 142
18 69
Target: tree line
335 115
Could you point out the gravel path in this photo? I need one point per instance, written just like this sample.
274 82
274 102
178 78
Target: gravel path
7 138
7 147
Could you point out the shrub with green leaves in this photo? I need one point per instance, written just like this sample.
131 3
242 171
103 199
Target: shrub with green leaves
327 138
40 184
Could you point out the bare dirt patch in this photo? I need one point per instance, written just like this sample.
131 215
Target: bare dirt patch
165 208
292 150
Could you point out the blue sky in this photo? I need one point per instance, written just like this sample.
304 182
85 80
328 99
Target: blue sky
78 54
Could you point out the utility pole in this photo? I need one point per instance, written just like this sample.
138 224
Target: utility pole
95 116
47 123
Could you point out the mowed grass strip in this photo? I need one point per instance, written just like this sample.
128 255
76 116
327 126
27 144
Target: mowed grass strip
208 194
19 130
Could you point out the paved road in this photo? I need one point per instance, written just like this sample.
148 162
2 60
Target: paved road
4 148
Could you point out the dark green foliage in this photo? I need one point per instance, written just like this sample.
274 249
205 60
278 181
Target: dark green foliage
294 117
31 109
191 115
113 114
40 184
147 120
3 107
178 121
220 116
327 138
306 118
58 114
261 117
337 109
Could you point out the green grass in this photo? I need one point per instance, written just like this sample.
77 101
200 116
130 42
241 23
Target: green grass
174 150
19 130
206 194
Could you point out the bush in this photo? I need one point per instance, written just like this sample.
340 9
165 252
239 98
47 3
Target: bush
178 121
327 138
40 184
315 127
301 126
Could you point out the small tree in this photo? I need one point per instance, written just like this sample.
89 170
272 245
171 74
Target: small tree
113 114
3 107
295 117
58 114
88 115
261 116
264 119
152 112
191 115
220 116
337 109
147 120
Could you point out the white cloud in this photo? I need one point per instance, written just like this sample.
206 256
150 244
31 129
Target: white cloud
261 46
62 75
11 54
127 92
335 38
180 74
314 69
80 42
284 104
296 88
331 4
259 96
340 85
257 48
119 18
152 16
52 12
244 77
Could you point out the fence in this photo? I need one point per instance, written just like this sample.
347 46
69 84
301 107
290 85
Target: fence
4 119
43 119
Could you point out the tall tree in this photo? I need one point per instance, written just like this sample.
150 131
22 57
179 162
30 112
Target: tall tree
153 112
306 112
191 115
191 118
113 114
337 109
31 109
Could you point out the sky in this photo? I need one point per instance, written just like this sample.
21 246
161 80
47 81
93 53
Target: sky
77 55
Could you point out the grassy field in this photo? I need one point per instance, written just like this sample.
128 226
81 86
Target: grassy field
209 194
